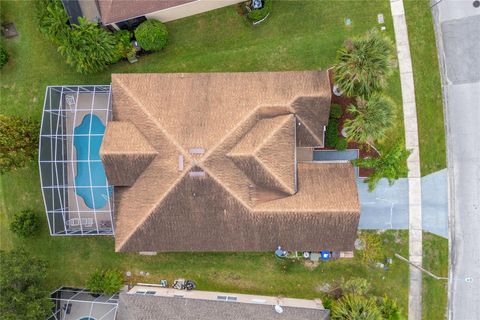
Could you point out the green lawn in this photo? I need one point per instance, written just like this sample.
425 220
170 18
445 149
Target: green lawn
428 91
435 259
297 36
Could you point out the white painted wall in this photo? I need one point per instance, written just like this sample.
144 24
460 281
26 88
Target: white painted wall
189 9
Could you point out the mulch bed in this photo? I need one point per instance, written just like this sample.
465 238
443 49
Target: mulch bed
364 149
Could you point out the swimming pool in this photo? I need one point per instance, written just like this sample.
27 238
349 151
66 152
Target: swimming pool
87 318
90 181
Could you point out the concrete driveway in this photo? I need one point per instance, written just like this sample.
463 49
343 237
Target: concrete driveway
387 206
457 26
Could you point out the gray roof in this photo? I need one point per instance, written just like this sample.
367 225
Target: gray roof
141 307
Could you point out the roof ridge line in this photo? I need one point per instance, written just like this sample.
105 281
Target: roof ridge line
151 117
141 222
267 168
233 194
308 128
270 136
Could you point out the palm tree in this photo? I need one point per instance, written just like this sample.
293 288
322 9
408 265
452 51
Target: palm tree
364 64
354 307
371 120
390 165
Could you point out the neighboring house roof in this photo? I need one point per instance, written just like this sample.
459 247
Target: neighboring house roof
207 162
141 307
119 10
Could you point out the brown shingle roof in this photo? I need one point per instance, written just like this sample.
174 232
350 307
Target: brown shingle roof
126 153
119 10
142 307
225 176
266 154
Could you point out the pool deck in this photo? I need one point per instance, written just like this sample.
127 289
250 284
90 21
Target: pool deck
76 204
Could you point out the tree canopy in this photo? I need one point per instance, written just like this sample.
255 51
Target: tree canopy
390 165
364 64
371 120
21 295
18 141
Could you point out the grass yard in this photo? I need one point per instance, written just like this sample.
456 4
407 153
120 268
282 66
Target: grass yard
301 35
435 259
428 90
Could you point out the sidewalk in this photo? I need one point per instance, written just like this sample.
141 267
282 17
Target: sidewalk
413 162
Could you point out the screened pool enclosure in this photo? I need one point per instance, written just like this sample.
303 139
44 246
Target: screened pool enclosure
81 304
78 199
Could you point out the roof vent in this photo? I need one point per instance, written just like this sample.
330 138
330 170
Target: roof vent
278 308
180 163
196 151
196 174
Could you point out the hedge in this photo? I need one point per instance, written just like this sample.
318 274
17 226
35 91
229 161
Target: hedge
151 35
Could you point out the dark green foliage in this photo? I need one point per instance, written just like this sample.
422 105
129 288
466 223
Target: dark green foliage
364 64
21 296
259 14
389 165
89 48
341 144
3 56
25 223
52 20
18 141
151 35
327 302
371 120
389 309
331 133
86 46
336 111
105 281
354 307
124 47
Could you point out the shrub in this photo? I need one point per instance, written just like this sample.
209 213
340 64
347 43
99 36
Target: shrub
371 120
18 141
151 35
88 47
52 20
259 14
355 307
389 308
390 165
357 286
336 111
327 302
3 56
105 281
364 64
341 144
124 47
25 223
331 133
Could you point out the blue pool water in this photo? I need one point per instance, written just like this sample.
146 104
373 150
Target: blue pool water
95 193
87 318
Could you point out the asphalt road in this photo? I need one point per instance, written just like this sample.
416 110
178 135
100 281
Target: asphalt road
458 39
